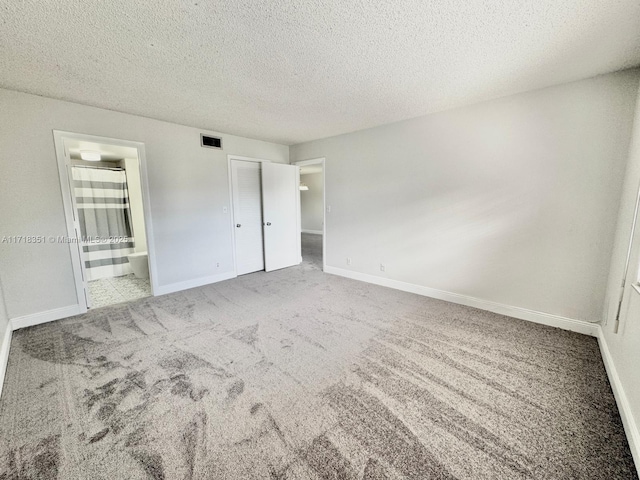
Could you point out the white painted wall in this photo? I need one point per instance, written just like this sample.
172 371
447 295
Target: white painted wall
4 325
5 339
311 205
134 185
511 201
188 189
624 347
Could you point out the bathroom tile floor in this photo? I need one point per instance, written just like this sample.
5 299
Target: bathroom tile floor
108 291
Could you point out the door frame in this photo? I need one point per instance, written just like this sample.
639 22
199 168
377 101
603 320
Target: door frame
320 161
619 319
71 211
231 157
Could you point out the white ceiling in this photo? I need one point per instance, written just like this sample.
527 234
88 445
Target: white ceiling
107 152
290 70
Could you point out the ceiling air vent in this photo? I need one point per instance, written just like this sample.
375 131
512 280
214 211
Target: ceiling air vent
210 142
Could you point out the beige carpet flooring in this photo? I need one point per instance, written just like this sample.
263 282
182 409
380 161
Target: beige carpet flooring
296 374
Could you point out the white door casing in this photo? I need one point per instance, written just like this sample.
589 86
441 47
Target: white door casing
70 208
629 309
629 300
281 215
320 161
247 216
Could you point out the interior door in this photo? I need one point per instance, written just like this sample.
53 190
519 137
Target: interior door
281 215
247 216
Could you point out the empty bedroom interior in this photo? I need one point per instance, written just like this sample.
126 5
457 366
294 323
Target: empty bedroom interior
456 294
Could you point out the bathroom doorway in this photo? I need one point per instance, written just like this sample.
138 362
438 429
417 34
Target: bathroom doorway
110 236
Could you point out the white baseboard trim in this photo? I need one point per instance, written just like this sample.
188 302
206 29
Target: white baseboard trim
72 310
44 317
579 326
630 426
314 232
198 282
4 353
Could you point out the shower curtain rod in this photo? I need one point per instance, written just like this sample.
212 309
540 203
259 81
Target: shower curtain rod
99 168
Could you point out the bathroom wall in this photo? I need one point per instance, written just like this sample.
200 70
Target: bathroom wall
132 168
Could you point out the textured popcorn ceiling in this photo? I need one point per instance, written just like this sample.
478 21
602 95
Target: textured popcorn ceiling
290 70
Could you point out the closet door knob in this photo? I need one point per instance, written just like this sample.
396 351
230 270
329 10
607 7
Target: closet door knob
268 224
238 225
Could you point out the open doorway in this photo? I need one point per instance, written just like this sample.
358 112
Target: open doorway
108 212
312 211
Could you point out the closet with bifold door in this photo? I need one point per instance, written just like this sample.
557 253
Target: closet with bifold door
266 215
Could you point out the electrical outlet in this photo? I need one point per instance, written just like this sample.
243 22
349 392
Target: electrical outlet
217 264
382 267
328 208
348 260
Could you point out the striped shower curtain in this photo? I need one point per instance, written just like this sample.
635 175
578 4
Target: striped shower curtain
102 199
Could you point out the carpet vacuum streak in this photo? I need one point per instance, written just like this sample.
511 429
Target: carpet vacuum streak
296 374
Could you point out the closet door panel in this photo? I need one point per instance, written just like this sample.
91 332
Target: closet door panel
281 215
247 216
